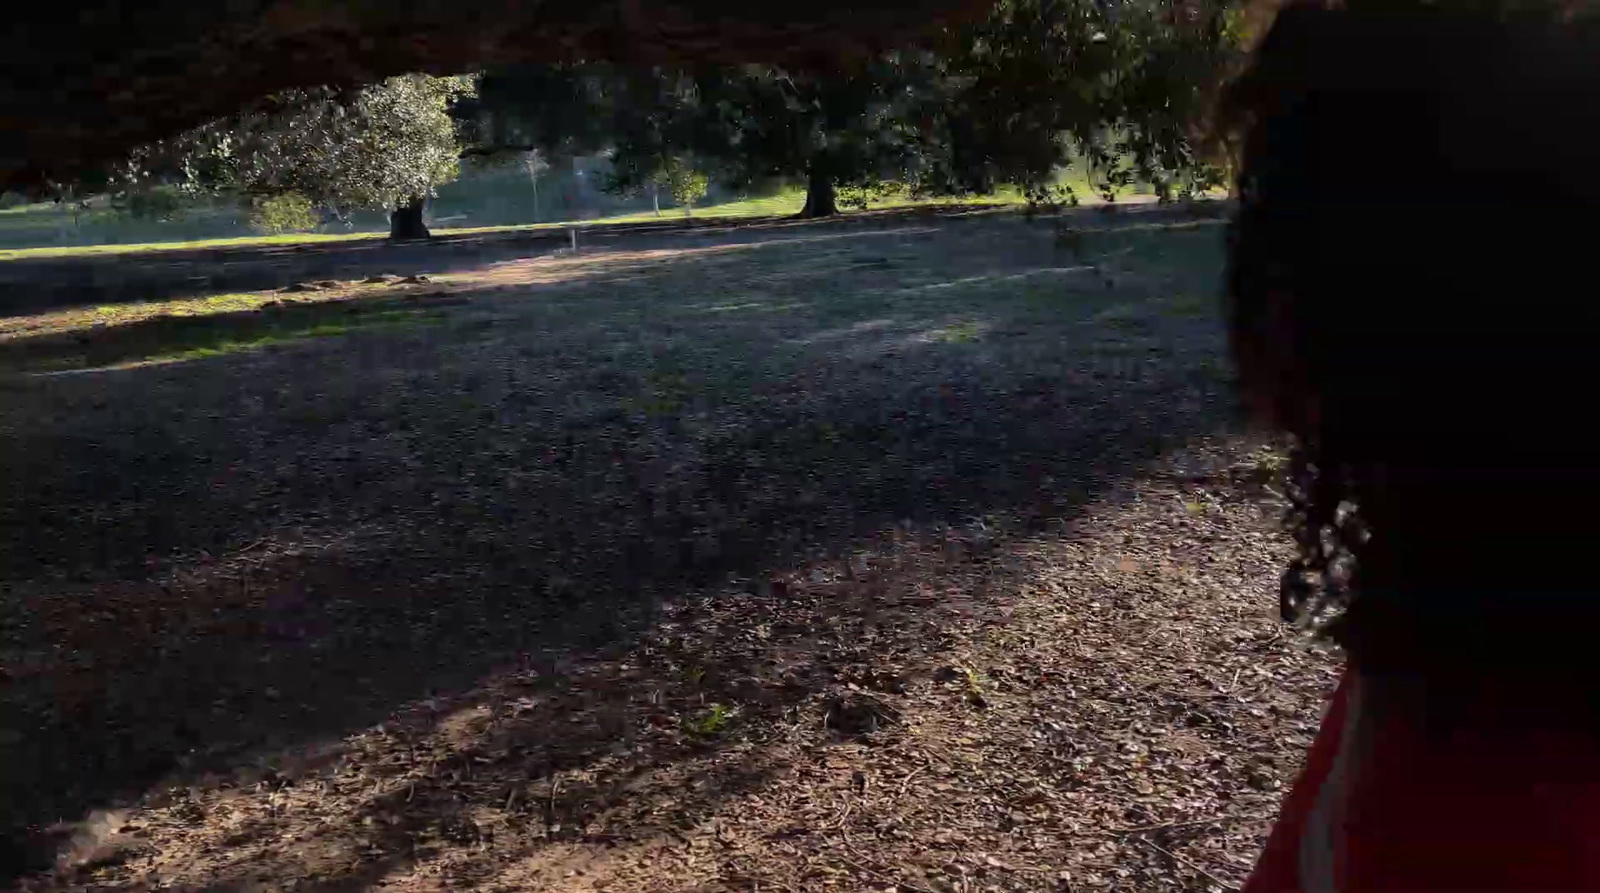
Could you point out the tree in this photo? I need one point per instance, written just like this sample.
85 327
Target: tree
560 110
679 178
754 123
534 162
1125 85
384 146
287 213
743 125
638 117
1009 100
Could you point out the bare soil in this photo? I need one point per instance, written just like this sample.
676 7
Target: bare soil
923 555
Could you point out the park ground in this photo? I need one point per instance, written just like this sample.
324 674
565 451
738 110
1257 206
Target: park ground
919 551
47 229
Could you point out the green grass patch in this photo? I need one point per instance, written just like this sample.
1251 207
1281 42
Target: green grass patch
712 721
960 333
199 244
169 338
780 205
1193 305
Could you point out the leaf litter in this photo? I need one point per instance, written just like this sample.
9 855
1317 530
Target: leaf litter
590 589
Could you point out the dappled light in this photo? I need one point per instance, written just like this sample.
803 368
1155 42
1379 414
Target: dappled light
122 336
718 448
608 561
942 685
998 279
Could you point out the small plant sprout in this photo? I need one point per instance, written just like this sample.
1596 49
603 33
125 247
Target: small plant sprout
711 721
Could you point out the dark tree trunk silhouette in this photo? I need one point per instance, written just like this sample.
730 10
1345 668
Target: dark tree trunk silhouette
405 222
820 197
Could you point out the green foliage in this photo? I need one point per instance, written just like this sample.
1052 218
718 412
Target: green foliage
755 123
679 179
1038 86
1124 86
158 203
960 333
288 213
370 148
862 195
559 110
1013 100
711 721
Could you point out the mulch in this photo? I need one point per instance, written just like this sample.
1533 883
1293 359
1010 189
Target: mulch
911 559
1109 706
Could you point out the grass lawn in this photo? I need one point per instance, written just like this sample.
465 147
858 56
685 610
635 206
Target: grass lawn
143 247
783 204
786 203
922 555
76 338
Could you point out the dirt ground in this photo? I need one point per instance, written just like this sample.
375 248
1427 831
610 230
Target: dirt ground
923 554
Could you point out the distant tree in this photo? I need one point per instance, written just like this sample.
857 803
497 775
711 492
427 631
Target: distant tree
535 163
287 213
755 123
1126 86
158 203
385 146
560 111
678 178
1009 100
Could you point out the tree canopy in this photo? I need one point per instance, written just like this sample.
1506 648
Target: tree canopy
370 148
82 82
1126 86
383 146
1008 100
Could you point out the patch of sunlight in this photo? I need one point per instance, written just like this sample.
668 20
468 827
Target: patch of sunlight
732 308
865 327
566 266
964 332
961 333
1159 226
847 234
52 251
135 348
782 205
989 279
224 348
81 319
166 359
1121 313
1193 305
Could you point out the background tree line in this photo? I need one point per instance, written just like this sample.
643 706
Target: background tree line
1121 87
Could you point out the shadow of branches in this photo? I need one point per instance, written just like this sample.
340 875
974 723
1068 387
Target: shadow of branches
211 565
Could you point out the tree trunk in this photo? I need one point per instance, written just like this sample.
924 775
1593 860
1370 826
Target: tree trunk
655 198
405 222
819 195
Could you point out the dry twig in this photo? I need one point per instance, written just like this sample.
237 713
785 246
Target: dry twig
884 878
1225 885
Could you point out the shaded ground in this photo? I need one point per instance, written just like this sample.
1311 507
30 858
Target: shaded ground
783 559
40 281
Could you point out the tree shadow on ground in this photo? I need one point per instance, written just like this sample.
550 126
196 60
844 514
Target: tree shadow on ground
626 744
216 562
274 325
32 285
48 282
